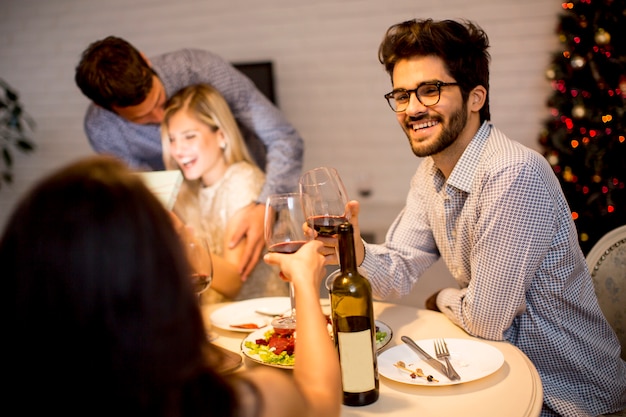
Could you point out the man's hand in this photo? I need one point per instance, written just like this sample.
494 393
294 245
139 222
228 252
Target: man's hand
250 225
431 302
330 250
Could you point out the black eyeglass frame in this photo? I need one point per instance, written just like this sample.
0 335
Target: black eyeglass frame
438 84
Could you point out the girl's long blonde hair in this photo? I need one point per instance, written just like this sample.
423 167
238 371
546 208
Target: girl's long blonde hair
208 106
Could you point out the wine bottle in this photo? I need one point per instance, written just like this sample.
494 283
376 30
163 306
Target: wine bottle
354 329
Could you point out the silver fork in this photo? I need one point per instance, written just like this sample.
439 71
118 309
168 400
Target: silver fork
441 350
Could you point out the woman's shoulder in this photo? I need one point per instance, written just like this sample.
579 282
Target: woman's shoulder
239 187
245 176
245 168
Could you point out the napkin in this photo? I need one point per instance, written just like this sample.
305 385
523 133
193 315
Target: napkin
164 184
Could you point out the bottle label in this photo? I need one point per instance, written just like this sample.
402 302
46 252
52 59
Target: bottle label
357 361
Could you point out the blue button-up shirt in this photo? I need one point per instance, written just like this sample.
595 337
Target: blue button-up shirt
274 143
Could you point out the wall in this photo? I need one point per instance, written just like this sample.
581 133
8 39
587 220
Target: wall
329 82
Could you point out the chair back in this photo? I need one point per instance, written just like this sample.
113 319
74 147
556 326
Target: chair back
607 264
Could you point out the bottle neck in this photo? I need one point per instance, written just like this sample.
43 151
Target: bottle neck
347 255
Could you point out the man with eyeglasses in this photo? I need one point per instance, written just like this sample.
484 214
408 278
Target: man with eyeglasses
495 212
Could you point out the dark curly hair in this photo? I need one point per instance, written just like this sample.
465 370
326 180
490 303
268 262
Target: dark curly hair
461 46
112 72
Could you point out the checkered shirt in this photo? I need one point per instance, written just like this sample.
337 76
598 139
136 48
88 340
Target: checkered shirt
504 229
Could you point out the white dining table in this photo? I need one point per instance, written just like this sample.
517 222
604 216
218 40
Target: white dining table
514 390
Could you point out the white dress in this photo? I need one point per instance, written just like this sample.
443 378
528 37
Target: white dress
240 186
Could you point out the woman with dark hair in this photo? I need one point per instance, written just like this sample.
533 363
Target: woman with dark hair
101 317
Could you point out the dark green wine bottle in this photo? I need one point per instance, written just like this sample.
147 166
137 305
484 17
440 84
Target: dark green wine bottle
354 329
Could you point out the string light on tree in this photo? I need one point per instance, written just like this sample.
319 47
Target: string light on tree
578 62
578 111
584 133
602 37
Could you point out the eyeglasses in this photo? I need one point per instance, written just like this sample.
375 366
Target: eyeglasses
427 93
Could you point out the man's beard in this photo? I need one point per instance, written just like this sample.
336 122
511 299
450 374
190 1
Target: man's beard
448 135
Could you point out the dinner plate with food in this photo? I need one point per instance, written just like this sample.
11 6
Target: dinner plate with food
472 359
249 315
275 347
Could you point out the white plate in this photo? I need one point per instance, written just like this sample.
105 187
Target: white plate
244 312
471 359
259 334
382 327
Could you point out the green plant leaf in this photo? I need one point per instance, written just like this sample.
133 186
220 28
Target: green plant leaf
6 156
16 127
25 145
7 177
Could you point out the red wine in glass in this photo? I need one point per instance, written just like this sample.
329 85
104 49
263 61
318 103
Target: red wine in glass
284 217
286 247
325 202
326 226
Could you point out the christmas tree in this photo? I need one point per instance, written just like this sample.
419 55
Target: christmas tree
584 138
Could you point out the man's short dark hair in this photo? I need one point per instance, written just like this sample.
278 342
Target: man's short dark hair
462 46
112 72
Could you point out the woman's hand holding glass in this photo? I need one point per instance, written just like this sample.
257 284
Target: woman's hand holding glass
308 258
285 233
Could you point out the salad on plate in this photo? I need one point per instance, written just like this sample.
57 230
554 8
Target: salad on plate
276 347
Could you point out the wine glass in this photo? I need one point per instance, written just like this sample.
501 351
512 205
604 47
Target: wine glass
325 207
199 256
201 265
285 233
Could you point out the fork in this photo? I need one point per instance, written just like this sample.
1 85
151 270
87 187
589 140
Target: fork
441 350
